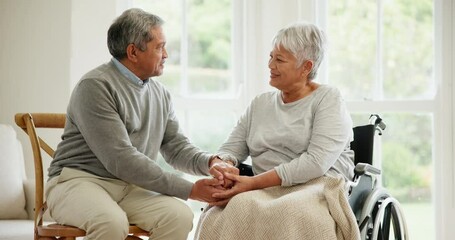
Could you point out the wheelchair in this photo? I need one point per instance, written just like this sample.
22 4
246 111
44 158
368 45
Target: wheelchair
376 211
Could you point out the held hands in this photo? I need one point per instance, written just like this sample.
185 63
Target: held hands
218 169
241 184
233 184
204 189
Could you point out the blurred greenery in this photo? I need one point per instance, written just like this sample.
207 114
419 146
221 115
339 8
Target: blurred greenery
208 57
406 48
408 55
210 33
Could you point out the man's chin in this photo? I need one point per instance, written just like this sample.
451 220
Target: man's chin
158 73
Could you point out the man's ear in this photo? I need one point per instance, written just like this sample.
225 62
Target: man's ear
131 52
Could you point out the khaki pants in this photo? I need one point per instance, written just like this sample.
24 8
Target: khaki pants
105 207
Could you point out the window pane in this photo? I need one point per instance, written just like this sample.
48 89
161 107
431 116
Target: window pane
407 52
198 36
407 166
208 129
209 56
352 47
408 49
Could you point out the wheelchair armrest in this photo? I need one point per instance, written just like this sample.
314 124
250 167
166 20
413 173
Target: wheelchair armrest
245 169
364 168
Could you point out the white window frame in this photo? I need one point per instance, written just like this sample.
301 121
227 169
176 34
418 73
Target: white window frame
185 102
441 106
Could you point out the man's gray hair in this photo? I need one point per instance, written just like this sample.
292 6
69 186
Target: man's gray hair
133 26
305 41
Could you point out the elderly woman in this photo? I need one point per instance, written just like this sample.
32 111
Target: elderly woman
298 139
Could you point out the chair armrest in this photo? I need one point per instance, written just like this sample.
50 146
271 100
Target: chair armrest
364 168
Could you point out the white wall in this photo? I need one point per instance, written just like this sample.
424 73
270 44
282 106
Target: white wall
90 21
34 60
444 177
45 47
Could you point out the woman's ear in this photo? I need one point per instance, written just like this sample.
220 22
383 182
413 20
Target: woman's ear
131 52
307 67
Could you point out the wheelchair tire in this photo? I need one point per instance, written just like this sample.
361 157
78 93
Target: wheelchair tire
381 210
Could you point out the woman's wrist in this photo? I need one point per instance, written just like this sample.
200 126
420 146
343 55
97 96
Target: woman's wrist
214 159
217 158
265 180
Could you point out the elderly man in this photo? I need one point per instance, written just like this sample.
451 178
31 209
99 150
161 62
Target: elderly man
104 174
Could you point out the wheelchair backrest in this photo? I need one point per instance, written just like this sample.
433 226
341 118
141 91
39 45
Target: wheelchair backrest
363 143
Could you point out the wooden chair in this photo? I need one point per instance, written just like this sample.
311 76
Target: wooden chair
29 122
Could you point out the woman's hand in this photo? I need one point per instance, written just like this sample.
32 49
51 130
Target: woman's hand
218 170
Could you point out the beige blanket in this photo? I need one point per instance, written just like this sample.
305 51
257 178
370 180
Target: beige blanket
318 209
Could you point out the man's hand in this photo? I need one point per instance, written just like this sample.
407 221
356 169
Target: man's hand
204 189
218 168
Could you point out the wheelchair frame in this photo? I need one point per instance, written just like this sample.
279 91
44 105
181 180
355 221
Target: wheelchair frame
374 208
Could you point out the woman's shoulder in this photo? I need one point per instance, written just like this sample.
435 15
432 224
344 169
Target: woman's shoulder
328 89
327 92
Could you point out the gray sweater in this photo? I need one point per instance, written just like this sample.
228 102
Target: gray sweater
115 129
302 140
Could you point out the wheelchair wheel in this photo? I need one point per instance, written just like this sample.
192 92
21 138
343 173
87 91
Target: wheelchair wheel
380 212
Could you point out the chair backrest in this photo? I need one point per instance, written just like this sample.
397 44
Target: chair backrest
363 143
29 122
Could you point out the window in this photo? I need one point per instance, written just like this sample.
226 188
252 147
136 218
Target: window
381 57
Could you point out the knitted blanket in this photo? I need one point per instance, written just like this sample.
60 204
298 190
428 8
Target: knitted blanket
318 209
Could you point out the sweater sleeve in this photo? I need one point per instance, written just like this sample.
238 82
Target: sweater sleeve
332 128
94 111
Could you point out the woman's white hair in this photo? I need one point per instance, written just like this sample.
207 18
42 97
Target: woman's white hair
305 41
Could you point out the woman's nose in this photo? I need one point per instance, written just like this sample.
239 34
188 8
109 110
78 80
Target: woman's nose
271 64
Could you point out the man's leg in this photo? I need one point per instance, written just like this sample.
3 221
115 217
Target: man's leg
165 217
77 199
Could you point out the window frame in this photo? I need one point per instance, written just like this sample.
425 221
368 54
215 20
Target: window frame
441 107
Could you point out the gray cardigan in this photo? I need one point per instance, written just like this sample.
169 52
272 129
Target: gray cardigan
115 129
